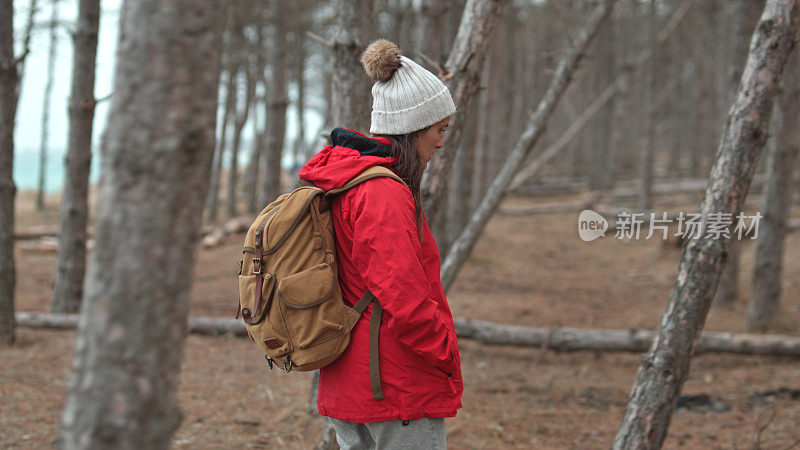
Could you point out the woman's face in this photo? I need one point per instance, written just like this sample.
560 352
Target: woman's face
431 140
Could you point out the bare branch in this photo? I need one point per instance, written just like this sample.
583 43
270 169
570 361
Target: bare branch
319 39
26 40
534 129
436 65
608 93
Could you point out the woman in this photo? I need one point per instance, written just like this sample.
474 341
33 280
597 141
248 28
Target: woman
384 245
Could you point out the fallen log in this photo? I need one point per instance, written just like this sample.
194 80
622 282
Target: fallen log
547 208
635 340
553 186
210 326
35 232
42 231
557 339
686 186
233 226
47 244
45 240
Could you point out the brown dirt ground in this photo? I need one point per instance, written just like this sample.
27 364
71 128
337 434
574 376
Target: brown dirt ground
525 270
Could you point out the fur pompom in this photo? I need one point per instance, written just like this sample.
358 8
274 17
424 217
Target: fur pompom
381 59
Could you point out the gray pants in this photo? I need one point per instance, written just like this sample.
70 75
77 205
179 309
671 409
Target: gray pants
418 434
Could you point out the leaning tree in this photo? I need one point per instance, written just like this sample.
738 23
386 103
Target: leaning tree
664 368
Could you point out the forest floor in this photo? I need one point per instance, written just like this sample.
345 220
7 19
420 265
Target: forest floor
526 270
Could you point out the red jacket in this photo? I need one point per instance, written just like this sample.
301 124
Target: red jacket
379 249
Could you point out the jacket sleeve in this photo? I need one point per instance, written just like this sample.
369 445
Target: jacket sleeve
388 254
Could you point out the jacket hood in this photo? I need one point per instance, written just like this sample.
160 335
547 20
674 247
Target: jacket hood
349 154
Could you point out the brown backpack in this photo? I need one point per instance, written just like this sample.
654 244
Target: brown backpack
289 294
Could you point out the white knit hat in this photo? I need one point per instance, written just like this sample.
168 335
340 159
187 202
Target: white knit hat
406 96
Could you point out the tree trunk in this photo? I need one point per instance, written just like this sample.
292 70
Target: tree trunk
743 15
766 294
463 70
250 182
482 138
728 288
646 201
460 204
239 122
663 370
351 102
277 103
48 95
429 28
231 68
157 153
74 211
212 200
251 174
601 60
536 124
11 70
9 95
300 110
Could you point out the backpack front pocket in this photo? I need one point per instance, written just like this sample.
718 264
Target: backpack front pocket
312 318
254 314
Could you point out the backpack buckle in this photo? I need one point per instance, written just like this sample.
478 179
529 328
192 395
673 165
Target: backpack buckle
256 265
287 365
269 361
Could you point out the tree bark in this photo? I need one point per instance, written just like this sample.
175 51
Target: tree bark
351 103
429 28
157 153
646 201
242 115
459 205
9 96
48 95
664 368
278 100
251 174
11 69
766 293
300 110
483 135
744 13
462 75
231 68
602 62
250 184
74 211
534 129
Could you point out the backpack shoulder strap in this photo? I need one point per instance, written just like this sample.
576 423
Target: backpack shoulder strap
374 324
372 172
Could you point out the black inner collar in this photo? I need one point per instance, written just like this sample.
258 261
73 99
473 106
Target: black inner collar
366 146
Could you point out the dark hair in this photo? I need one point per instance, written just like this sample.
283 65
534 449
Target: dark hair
409 167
